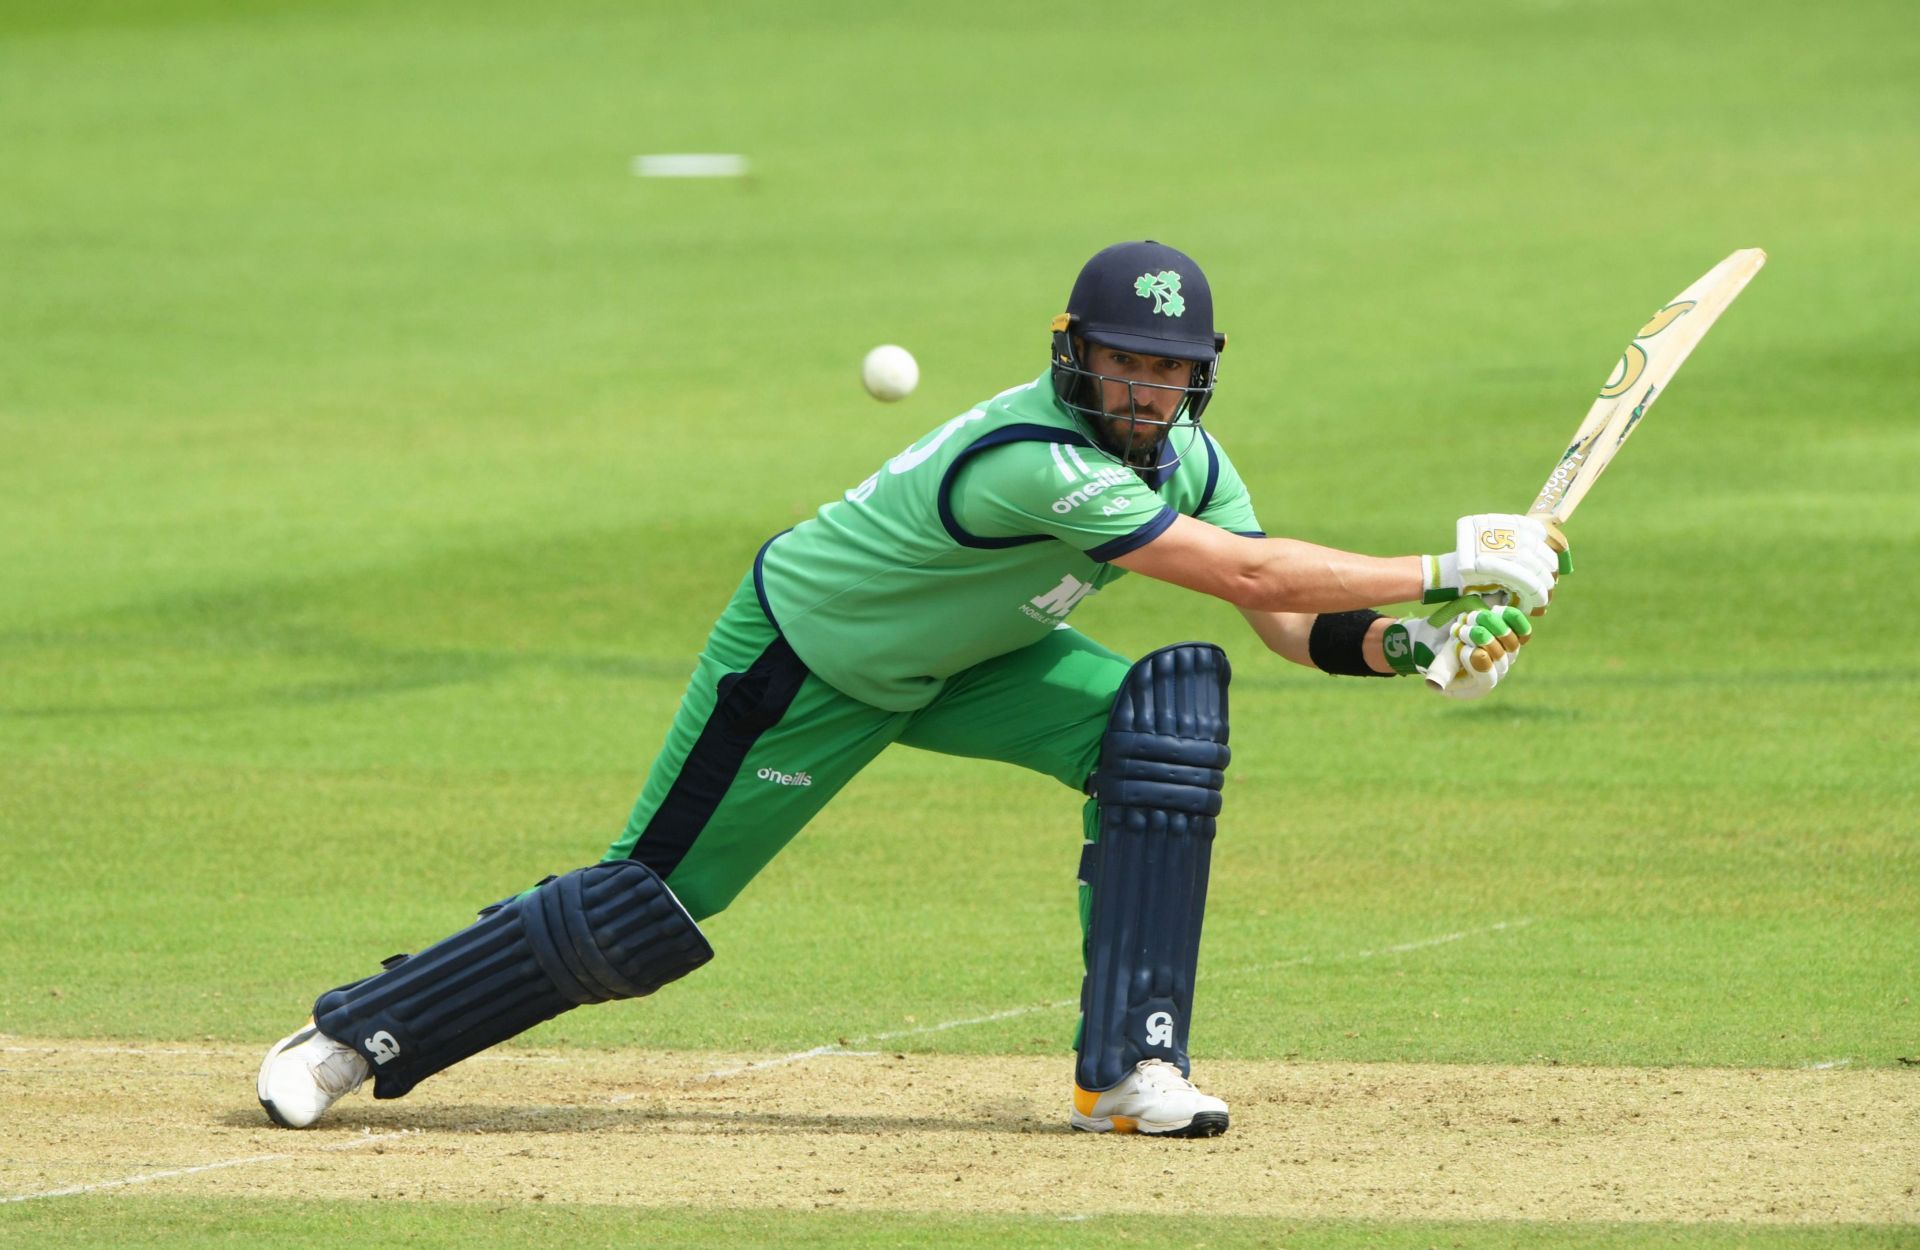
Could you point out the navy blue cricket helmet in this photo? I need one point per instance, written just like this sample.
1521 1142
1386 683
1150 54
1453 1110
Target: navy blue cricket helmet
1146 298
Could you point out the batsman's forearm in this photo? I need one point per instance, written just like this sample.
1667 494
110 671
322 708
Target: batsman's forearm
1293 576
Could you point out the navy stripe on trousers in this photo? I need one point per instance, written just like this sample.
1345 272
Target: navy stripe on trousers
748 704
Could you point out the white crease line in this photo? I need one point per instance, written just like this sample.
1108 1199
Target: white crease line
142 1179
801 1056
1822 1067
796 1057
1401 949
942 1027
119 1050
231 1053
368 1139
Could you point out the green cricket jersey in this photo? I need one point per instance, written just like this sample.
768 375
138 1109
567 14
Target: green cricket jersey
975 541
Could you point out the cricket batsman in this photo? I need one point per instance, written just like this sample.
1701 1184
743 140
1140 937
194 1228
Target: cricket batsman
929 606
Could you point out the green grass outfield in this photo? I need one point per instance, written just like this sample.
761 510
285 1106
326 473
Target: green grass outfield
171 1222
375 451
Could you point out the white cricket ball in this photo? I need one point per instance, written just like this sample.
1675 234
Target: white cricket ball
890 372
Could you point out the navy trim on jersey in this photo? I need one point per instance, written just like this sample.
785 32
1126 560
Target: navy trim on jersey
1023 433
1120 546
1251 533
746 705
759 578
1156 478
1213 475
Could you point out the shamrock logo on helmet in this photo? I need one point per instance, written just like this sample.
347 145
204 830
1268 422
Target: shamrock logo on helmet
1164 288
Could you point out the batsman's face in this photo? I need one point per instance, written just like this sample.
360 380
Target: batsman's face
1159 388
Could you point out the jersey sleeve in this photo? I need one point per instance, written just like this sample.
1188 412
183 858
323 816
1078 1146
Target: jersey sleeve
1227 504
1033 489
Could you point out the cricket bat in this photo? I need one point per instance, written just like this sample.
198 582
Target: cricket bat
1654 355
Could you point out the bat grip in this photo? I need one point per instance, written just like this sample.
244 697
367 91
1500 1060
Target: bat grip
1445 667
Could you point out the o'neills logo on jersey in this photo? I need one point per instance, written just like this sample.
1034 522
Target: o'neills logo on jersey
779 778
1102 479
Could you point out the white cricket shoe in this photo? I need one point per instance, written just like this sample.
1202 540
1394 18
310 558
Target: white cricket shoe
1154 1099
305 1073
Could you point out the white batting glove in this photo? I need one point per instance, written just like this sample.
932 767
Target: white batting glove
1497 551
1464 654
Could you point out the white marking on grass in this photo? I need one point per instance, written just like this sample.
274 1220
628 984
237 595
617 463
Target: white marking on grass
1400 949
989 1018
368 1138
797 1056
690 165
1011 1013
118 1050
229 1052
141 1179
1825 1064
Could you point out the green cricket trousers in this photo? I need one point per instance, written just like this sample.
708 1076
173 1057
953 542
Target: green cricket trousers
760 744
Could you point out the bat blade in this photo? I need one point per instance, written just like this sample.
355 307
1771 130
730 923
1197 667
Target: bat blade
1650 360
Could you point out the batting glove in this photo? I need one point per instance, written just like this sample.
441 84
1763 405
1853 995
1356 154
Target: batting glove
1474 648
1498 551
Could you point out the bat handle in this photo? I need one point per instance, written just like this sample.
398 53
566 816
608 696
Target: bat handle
1552 519
1445 667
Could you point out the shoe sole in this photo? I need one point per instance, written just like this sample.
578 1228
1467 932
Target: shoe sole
1203 1124
260 1083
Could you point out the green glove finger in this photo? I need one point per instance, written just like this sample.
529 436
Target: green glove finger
1494 621
1479 636
1518 622
1566 562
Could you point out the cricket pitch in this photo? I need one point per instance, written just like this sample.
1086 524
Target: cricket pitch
887 1131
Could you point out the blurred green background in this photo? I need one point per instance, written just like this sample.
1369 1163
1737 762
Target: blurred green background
375 451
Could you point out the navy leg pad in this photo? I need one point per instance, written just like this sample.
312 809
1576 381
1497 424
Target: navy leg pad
1162 764
606 931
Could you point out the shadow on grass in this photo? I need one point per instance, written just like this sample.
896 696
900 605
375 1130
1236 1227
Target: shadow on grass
489 1120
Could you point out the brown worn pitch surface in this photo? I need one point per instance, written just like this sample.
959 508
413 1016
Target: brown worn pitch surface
950 1133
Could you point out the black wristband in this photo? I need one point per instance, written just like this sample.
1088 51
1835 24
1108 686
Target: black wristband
1334 643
